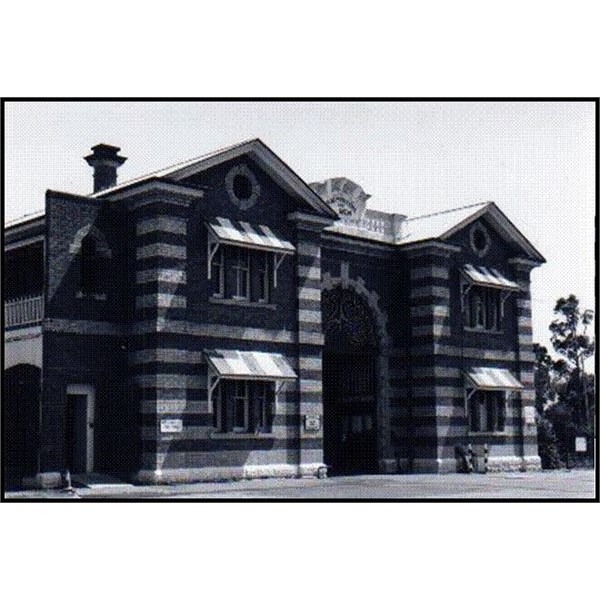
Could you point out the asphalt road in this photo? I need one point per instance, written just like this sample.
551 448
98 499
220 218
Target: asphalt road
553 484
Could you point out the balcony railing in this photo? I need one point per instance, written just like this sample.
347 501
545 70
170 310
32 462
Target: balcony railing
24 311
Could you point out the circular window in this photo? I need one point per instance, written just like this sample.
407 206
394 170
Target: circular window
480 239
242 187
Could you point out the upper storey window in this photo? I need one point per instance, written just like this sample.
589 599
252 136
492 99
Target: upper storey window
483 308
243 260
484 292
241 273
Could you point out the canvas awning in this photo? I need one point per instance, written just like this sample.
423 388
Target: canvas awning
239 233
253 237
490 378
237 364
488 277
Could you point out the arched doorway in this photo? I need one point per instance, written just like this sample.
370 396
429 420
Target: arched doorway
349 383
21 399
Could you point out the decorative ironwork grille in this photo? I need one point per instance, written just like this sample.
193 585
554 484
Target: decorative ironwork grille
346 314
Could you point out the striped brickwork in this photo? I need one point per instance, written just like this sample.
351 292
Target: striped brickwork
161 381
399 411
169 373
178 390
524 350
435 408
310 343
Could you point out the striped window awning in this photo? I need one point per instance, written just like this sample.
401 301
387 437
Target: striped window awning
239 233
235 364
489 378
489 278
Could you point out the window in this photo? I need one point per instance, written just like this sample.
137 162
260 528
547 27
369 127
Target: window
487 411
241 270
243 406
262 405
242 186
241 274
218 273
483 309
480 239
264 279
245 259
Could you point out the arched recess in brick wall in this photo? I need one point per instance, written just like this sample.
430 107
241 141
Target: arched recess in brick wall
381 343
21 399
102 247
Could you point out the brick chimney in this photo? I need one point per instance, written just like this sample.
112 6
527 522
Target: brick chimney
105 161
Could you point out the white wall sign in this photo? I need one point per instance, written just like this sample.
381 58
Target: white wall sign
580 444
171 426
529 415
312 422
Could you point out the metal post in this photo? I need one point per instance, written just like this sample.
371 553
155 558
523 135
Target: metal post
485 458
68 486
470 458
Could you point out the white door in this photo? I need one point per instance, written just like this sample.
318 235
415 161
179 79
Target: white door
80 428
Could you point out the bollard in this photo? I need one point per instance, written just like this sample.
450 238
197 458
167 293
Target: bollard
322 472
486 453
470 458
68 485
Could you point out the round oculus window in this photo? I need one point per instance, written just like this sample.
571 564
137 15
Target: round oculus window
242 187
480 239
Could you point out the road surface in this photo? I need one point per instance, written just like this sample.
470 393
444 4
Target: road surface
550 484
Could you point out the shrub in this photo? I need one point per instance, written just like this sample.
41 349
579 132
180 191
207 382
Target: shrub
547 444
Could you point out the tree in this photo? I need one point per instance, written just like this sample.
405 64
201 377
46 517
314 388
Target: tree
541 377
551 378
553 419
570 339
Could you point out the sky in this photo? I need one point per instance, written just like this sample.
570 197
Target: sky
535 160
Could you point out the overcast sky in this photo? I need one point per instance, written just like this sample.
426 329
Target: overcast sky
535 160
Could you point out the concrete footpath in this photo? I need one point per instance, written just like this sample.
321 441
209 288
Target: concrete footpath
565 485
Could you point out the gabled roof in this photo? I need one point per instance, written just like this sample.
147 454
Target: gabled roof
258 151
437 225
442 225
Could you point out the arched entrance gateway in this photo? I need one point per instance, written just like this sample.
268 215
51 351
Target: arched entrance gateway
352 390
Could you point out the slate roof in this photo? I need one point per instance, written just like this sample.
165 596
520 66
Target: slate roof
170 170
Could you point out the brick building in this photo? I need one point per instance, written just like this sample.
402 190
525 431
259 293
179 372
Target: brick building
222 318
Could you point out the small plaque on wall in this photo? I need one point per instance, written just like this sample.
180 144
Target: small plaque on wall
171 426
529 415
312 423
580 444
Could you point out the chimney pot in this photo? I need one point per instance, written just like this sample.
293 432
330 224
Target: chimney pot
105 161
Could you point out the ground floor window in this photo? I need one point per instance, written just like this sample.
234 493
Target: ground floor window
242 406
487 411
